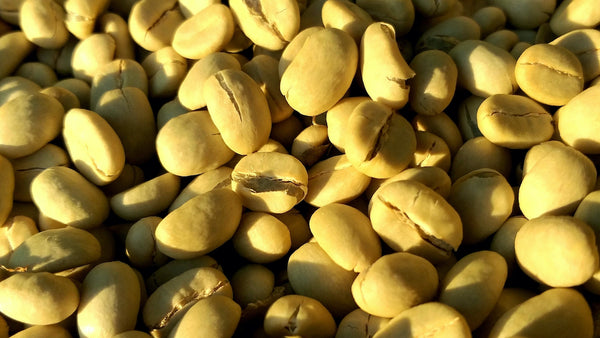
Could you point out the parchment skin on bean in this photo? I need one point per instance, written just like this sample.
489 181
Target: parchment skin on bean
441 42
339 167
75 17
429 152
382 137
119 76
486 174
260 184
527 114
291 325
255 8
164 14
561 72
194 296
405 219
230 94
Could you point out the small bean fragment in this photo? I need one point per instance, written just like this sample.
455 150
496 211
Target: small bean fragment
519 48
286 131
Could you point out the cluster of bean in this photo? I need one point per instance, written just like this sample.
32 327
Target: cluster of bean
375 168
